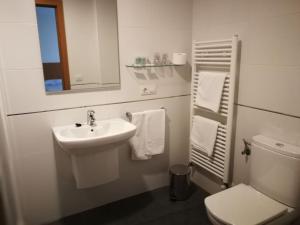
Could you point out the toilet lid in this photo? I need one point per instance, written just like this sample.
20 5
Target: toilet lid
243 205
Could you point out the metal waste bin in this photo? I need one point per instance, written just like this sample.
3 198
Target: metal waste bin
179 182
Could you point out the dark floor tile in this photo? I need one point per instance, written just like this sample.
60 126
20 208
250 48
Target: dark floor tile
112 216
126 211
163 206
146 209
296 222
70 220
186 217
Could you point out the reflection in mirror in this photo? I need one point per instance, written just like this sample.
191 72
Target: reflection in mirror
79 43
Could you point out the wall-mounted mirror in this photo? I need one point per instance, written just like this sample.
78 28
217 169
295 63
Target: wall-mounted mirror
79 43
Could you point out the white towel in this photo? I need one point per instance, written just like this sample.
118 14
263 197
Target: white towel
149 138
137 142
209 91
204 134
155 131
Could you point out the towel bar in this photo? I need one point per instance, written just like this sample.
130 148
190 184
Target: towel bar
129 114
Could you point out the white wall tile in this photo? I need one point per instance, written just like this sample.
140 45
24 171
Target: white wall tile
168 14
264 8
17 11
271 87
18 86
2 87
7 181
274 41
147 41
209 13
20 46
216 12
37 178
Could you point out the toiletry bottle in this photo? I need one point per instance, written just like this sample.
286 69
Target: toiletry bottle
164 59
156 59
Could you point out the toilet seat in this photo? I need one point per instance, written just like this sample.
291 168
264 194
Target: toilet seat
243 205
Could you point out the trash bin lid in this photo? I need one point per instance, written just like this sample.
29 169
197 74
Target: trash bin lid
179 169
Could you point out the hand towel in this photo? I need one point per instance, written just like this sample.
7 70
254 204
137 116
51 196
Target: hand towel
149 138
204 134
137 142
155 131
209 91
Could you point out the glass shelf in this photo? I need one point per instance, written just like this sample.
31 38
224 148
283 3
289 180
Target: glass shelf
150 65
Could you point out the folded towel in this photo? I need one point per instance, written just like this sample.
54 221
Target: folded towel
149 138
155 131
210 89
204 134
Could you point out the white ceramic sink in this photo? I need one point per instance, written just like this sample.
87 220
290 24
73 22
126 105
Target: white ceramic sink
104 133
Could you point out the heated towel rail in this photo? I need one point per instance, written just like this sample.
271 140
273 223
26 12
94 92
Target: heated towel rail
220 55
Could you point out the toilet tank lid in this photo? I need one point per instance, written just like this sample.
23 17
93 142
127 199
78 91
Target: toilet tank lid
277 146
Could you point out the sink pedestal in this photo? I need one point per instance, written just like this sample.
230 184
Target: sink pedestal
94 149
96 168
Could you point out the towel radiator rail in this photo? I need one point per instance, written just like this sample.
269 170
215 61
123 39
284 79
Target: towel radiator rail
219 55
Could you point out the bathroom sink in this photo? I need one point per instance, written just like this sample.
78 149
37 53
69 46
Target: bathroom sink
72 138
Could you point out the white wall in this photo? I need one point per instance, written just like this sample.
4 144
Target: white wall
8 191
140 32
45 185
48 190
270 65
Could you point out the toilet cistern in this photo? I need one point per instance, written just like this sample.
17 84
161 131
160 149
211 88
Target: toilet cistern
91 118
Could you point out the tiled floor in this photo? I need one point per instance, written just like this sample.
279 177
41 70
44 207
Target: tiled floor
151 208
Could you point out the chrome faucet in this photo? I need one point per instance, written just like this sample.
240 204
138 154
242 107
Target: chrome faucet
91 118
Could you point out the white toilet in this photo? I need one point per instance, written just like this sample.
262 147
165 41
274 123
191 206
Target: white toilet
273 195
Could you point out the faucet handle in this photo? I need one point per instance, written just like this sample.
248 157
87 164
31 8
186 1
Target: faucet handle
91 118
90 112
